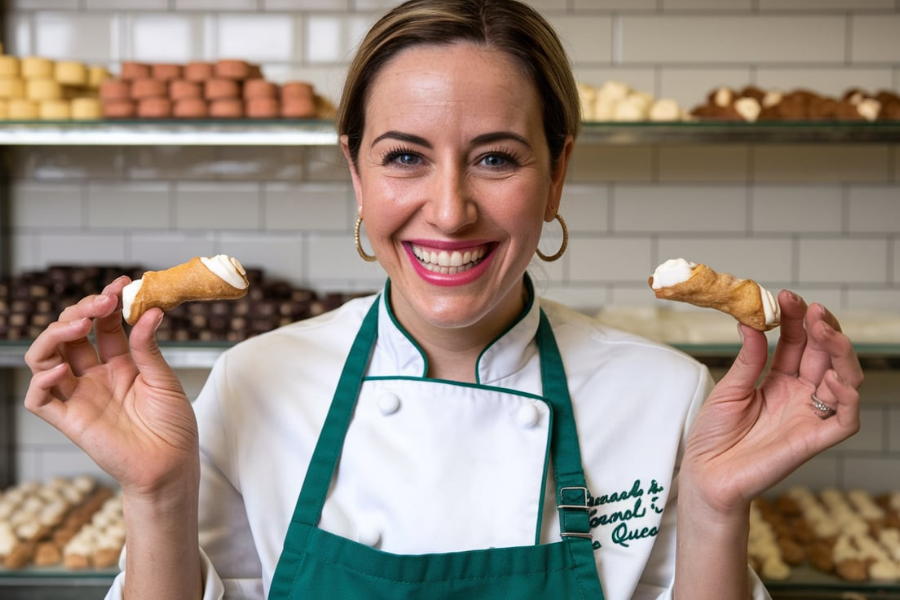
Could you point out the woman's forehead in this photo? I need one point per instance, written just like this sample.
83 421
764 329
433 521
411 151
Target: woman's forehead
442 80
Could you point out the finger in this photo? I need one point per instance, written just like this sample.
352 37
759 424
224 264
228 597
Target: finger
47 392
827 348
44 353
843 358
147 355
792 339
741 378
844 400
112 339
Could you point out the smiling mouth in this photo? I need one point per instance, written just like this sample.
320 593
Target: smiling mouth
449 262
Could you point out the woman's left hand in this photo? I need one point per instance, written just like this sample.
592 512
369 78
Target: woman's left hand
751 434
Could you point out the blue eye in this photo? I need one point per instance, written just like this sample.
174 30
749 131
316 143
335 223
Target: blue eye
495 160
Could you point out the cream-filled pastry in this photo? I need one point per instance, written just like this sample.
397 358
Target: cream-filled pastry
744 299
219 277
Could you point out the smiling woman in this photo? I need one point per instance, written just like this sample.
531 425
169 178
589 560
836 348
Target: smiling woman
455 436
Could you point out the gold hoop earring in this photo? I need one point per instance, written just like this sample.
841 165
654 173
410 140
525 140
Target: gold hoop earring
562 248
359 248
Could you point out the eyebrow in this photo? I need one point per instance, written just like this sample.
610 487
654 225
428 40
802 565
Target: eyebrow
485 138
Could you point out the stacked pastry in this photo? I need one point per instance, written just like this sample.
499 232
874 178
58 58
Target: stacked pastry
39 88
226 89
752 104
618 101
763 548
848 534
38 520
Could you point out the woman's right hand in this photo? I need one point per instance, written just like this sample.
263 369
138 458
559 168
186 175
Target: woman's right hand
119 400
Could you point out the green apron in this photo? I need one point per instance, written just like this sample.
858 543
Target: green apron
316 564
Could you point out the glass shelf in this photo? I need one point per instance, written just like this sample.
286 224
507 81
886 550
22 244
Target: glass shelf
245 132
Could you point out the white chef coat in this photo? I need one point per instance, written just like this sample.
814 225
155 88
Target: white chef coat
438 468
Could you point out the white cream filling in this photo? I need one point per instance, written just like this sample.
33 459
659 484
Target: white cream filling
448 263
771 309
225 267
672 272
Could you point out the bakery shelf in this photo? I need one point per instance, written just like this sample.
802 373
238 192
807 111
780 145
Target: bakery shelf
808 583
321 133
202 355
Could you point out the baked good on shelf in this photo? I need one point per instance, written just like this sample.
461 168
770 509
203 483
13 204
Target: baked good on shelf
154 108
36 67
149 88
263 108
233 69
226 108
9 66
134 70
181 89
69 72
54 110
260 88
12 87
42 89
199 71
166 71
119 109
190 108
86 109
115 89
23 109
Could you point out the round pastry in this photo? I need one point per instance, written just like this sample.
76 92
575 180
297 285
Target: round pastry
154 108
9 66
4 109
260 88
42 89
115 89
165 71
217 89
263 108
233 69
35 67
190 108
293 90
199 71
21 109
134 70
226 108
119 109
86 109
181 89
97 75
298 108
148 88
54 110
71 73
12 88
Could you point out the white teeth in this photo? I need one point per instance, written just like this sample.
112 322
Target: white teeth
448 263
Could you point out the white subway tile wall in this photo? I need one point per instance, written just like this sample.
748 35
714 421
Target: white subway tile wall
823 220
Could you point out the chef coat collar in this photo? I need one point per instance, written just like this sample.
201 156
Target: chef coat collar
398 354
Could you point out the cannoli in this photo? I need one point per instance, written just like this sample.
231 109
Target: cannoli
744 299
218 277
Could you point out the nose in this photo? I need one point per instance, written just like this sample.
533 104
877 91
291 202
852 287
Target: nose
451 206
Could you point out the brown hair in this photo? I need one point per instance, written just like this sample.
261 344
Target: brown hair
507 25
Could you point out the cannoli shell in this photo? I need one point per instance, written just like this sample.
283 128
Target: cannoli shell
187 282
740 298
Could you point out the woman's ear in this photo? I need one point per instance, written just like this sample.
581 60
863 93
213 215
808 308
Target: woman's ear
558 178
354 173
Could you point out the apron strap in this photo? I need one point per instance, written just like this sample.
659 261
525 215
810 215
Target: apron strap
331 440
572 495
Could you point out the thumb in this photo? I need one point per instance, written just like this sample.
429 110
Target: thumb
749 364
146 353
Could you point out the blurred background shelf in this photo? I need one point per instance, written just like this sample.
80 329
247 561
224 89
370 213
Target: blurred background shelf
321 133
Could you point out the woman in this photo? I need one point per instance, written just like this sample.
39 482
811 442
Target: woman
403 446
